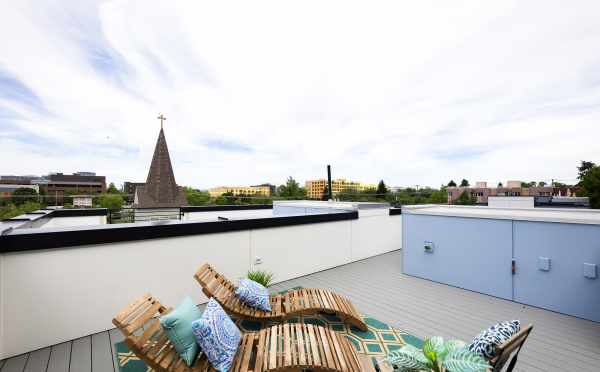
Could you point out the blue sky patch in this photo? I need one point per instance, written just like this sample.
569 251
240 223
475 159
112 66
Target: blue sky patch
227 145
13 89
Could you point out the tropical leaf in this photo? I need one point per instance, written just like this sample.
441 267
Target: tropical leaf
449 346
463 360
408 358
432 347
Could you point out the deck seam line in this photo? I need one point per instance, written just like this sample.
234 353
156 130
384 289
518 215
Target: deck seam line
26 361
48 361
110 344
70 355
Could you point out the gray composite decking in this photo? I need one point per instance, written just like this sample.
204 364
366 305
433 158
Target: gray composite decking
379 289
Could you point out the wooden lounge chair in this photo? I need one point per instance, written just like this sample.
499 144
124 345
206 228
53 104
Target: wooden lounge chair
285 347
292 303
508 349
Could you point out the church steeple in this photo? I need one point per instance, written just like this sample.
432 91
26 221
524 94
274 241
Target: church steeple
160 189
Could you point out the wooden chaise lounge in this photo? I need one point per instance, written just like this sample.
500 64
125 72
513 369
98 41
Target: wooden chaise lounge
509 351
285 347
292 303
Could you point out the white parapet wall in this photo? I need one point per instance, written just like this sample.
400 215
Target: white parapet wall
74 221
236 215
513 202
54 295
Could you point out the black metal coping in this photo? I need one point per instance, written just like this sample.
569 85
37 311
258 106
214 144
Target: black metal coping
19 240
212 208
395 211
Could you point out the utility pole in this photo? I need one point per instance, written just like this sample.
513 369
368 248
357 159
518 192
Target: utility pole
329 182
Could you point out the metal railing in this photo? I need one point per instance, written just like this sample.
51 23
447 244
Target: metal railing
131 215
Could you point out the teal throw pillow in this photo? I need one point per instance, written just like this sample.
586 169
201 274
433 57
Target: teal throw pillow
178 327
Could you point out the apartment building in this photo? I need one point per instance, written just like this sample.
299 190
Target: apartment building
56 185
316 188
258 190
79 183
513 188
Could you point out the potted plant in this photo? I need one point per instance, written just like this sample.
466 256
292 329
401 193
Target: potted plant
262 277
437 355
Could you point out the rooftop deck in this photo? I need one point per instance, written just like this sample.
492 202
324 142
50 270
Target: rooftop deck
379 289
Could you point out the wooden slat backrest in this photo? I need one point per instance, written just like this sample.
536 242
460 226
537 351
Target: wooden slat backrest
214 284
298 302
144 336
508 348
133 316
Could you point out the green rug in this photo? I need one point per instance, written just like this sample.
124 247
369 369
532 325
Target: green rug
378 340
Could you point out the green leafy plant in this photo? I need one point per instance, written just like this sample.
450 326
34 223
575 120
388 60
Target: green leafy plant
437 355
260 276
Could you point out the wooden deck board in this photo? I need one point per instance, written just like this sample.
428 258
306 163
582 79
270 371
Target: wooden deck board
102 359
81 355
15 364
38 360
378 288
60 357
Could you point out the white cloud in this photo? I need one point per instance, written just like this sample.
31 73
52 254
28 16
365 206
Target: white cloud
256 91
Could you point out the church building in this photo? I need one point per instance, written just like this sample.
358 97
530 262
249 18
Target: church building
160 190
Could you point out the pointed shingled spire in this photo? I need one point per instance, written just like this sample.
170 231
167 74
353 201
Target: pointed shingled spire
160 190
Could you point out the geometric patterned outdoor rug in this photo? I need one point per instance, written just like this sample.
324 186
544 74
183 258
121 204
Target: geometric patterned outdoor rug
377 341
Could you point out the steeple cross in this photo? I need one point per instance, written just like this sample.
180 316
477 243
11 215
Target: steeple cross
162 118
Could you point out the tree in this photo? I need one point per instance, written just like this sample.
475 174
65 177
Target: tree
528 184
464 183
382 189
112 189
466 199
111 201
591 186
500 184
439 196
11 210
584 168
229 197
23 195
291 190
196 197
451 183
221 200
541 184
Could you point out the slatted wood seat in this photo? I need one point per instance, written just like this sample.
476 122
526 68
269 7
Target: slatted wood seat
284 347
304 301
509 350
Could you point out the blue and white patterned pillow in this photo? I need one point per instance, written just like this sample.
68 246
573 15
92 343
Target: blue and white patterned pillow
217 336
486 342
253 294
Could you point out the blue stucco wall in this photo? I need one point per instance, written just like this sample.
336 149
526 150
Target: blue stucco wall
563 288
468 253
476 254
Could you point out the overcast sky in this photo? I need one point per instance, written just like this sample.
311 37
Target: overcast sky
411 92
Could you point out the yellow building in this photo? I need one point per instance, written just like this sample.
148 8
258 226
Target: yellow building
316 188
262 190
